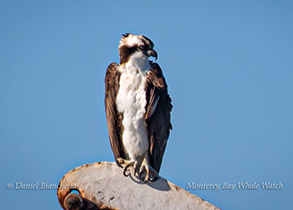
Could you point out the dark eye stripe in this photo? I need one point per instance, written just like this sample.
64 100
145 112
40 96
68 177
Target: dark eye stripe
125 52
142 47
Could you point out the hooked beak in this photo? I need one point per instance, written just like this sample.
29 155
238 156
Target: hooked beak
153 53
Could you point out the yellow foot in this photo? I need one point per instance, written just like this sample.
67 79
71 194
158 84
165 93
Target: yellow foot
125 164
142 169
147 173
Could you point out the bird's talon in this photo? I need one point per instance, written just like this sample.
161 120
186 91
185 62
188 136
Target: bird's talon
124 172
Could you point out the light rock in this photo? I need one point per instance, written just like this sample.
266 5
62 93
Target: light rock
103 186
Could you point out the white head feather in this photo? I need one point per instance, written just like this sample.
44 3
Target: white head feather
131 40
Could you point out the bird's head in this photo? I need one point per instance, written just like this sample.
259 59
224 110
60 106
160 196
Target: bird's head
140 45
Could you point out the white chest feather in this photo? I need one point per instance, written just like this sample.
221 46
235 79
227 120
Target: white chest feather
131 101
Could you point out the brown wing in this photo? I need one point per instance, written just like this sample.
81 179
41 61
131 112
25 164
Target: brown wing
114 119
157 115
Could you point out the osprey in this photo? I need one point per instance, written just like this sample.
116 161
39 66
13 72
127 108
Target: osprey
138 108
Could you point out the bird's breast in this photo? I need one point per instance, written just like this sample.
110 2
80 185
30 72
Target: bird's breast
131 101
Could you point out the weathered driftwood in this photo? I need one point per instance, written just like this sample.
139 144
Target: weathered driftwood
103 186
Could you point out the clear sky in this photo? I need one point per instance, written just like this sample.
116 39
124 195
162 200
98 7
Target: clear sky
229 68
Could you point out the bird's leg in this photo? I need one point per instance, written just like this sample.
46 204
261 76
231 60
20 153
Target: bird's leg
137 166
147 173
125 164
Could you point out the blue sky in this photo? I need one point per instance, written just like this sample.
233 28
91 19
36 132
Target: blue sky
228 65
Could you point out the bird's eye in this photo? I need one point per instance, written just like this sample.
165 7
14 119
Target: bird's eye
142 47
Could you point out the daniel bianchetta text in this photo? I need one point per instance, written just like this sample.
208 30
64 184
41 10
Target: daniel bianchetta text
35 186
235 186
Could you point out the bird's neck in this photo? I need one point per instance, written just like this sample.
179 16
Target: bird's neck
137 62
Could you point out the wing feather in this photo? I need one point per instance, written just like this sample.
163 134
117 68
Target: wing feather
114 118
157 115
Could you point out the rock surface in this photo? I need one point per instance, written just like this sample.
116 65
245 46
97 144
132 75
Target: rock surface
103 186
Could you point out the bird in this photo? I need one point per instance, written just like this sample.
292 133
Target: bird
138 108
